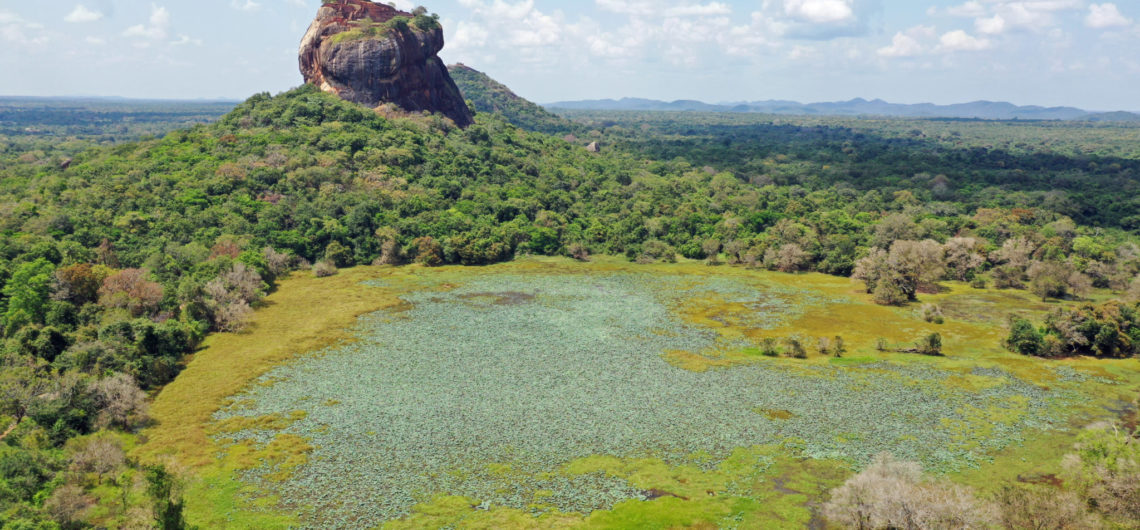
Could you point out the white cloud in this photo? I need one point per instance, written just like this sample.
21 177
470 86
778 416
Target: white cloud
248 6
994 25
159 23
1033 15
699 10
82 14
624 7
1106 16
184 40
16 30
960 41
969 9
97 41
819 11
908 43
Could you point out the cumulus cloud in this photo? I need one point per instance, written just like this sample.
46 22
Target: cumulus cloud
157 26
82 14
908 43
819 11
969 10
624 7
248 6
14 29
991 26
960 41
1103 16
714 8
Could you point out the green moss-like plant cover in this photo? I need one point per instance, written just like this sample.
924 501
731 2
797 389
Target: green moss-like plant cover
369 29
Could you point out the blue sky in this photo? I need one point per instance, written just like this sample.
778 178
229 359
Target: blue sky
1046 52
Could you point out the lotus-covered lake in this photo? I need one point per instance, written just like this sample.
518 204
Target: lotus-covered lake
492 387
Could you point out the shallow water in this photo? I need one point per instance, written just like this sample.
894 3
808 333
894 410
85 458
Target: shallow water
537 370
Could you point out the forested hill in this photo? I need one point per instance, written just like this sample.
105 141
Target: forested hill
116 260
488 95
983 110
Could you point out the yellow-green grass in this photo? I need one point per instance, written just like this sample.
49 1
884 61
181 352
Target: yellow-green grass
307 314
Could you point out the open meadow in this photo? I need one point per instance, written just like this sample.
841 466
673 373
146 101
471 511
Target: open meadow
547 392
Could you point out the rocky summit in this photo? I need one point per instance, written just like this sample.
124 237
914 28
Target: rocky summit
372 54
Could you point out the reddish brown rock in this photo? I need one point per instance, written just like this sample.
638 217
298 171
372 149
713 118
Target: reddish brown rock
372 54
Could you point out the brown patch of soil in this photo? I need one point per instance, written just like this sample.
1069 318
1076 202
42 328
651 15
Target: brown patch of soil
1044 479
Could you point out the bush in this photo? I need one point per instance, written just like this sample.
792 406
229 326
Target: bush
130 289
68 506
895 494
324 269
769 348
1105 471
278 262
930 345
428 252
578 251
121 402
1024 338
655 250
795 348
932 313
102 456
230 295
1032 507
338 254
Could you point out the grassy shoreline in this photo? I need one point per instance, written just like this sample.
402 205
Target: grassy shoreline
307 314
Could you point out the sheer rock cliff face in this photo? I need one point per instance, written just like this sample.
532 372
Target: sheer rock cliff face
355 49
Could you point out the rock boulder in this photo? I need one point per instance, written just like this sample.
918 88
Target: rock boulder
372 54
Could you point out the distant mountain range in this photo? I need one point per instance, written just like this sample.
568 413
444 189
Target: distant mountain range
986 110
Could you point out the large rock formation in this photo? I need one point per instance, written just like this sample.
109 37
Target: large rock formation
372 54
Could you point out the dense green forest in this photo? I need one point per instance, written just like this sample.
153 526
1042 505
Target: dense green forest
117 260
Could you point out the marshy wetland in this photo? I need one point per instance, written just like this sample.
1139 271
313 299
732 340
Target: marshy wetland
547 392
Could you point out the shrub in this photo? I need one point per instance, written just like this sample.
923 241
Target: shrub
837 347
121 402
890 293
278 262
711 249
324 269
1032 507
655 250
1109 330
230 294
428 251
101 456
1024 338
578 251
932 313
68 505
769 348
338 254
894 494
1008 277
795 348
823 346
1105 471
1051 279
390 253
930 344
131 290
77 283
